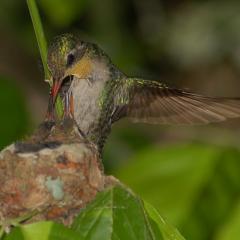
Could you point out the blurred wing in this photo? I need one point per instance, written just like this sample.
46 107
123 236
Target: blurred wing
153 102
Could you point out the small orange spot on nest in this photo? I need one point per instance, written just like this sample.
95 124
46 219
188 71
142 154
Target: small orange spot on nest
56 212
72 165
11 199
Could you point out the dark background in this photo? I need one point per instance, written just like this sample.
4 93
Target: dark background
190 174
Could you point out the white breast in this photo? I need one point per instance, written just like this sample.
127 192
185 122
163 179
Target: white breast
86 102
86 96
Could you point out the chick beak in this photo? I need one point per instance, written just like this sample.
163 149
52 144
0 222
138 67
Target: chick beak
52 99
55 90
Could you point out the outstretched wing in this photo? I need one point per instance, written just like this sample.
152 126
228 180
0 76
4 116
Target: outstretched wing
152 102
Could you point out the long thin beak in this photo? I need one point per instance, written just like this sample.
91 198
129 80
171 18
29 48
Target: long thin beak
52 99
55 90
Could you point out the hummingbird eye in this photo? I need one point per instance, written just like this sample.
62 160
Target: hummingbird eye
70 59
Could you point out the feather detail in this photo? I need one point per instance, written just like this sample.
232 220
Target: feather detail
152 102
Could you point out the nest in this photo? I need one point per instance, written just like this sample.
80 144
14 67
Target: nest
55 172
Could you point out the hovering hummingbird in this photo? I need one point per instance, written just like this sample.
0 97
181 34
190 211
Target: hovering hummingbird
97 94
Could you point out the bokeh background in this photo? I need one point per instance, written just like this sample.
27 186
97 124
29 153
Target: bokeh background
190 174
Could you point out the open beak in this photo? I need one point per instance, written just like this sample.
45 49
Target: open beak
68 110
55 90
52 99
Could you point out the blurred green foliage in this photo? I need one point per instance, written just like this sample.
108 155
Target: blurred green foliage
195 186
14 120
194 44
62 13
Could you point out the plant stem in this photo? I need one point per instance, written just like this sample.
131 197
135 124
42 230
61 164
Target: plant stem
41 40
42 45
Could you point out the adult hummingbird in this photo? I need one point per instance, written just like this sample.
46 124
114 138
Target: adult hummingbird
97 94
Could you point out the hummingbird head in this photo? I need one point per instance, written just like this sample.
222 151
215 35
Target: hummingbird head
69 56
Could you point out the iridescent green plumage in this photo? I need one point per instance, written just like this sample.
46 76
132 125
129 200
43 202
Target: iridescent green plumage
57 53
102 94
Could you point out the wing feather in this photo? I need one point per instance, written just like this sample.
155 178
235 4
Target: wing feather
152 102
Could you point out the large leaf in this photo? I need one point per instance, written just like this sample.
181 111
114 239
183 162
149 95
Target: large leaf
119 214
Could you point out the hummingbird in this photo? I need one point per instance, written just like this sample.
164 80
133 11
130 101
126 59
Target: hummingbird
97 94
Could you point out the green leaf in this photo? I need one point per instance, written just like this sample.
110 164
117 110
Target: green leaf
95 221
118 214
42 231
168 231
